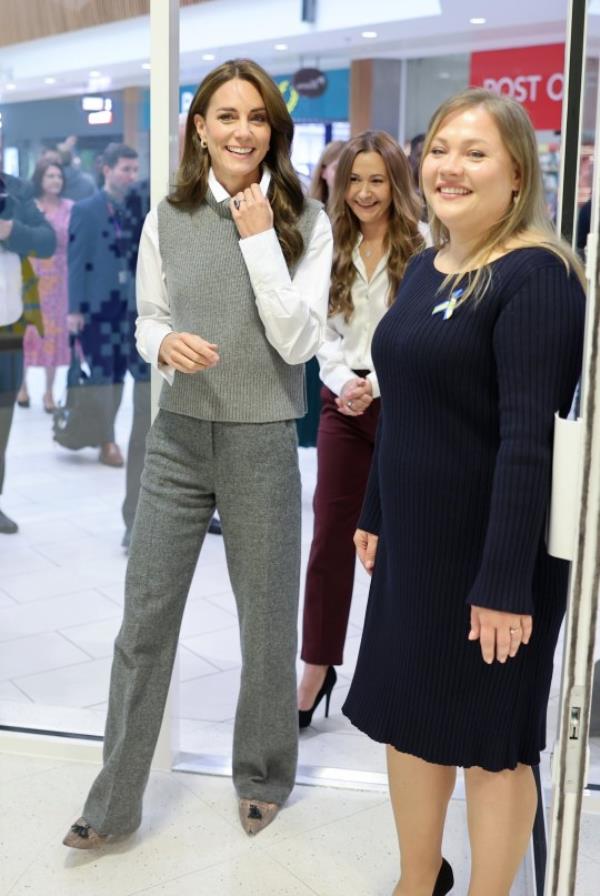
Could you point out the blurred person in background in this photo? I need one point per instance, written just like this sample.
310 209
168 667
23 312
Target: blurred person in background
375 217
321 186
78 184
102 253
23 232
52 349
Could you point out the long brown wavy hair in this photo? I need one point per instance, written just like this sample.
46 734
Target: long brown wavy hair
526 221
285 191
319 188
403 235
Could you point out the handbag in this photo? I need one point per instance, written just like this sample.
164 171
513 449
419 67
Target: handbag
565 499
78 422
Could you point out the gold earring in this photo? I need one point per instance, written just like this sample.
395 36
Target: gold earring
203 143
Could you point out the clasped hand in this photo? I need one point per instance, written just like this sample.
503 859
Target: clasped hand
251 211
187 352
355 397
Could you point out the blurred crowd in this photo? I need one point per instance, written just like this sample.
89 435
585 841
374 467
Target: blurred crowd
68 255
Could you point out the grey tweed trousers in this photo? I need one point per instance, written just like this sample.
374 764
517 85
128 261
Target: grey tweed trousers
250 473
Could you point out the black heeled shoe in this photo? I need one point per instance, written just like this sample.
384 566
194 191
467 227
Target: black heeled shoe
305 715
445 880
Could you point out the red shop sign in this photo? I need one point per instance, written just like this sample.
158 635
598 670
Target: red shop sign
531 75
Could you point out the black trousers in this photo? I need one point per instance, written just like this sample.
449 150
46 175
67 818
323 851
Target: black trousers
11 374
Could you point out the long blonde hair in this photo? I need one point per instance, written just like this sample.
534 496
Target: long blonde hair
285 192
403 237
526 219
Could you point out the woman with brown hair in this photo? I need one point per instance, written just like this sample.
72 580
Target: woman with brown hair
232 297
482 346
375 218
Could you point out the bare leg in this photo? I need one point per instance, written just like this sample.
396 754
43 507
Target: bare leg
310 685
23 394
501 809
420 792
50 376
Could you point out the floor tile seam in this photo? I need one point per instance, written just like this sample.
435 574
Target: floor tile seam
44 771
31 635
14 684
217 606
214 631
43 557
239 853
39 600
197 656
285 838
8 596
295 876
211 808
54 668
60 631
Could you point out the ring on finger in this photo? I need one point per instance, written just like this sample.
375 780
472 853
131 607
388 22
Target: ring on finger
514 631
349 404
238 202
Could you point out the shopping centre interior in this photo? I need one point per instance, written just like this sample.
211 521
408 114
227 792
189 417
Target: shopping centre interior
83 71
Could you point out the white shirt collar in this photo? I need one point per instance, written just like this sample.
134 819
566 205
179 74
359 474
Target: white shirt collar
221 194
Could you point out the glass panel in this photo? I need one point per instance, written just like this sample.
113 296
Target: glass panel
61 574
589 192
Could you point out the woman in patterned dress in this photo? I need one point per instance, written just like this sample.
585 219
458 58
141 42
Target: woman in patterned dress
52 349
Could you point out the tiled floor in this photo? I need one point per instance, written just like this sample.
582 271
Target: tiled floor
60 605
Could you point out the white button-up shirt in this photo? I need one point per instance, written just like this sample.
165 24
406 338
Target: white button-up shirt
293 310
347 345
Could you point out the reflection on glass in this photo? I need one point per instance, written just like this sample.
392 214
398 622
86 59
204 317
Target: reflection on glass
74 394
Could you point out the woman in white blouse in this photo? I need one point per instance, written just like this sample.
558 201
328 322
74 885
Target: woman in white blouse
375 216
232 286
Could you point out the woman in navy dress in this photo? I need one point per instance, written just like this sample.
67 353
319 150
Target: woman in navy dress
481 347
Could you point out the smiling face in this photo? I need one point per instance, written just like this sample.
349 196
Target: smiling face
237 132
52 181
369 193
468 175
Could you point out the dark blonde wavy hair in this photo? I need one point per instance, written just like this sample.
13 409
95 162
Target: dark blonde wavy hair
285 191
403 235
526 221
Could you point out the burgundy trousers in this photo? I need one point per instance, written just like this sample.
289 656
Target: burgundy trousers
344 452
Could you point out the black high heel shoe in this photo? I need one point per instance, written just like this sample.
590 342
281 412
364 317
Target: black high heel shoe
305 715
445 880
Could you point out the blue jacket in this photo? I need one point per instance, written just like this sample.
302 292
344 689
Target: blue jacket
102 256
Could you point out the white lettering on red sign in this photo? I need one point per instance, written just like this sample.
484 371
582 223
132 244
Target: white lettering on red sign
524 88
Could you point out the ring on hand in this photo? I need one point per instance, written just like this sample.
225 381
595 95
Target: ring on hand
349 404
514 631
237 202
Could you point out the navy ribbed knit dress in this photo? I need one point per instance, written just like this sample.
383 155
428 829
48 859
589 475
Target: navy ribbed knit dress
458 494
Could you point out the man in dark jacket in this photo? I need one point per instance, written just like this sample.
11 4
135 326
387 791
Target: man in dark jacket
103 240
24 231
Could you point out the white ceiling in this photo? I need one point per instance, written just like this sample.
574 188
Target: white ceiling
227 28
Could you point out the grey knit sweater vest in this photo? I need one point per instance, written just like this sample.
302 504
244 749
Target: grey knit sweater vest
210 294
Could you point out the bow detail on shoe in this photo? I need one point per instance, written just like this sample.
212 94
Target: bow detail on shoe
82 830
254 812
